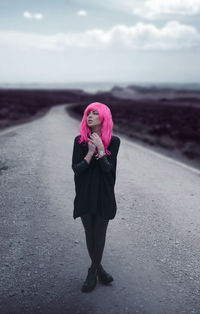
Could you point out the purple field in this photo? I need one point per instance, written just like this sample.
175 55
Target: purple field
159 117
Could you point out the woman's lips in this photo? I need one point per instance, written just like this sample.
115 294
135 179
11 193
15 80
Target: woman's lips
89 120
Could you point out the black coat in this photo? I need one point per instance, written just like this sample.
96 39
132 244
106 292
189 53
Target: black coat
95 181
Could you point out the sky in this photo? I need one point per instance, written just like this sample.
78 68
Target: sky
96 41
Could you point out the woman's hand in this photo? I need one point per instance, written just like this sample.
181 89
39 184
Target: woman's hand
91 147
96 140
96 144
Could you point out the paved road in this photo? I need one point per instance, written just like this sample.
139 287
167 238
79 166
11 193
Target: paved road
152 245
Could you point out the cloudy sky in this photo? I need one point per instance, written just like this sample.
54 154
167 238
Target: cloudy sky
93 40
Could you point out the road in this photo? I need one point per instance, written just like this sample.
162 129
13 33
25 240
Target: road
152 244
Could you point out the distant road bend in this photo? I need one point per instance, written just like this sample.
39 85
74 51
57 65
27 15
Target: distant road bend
152 245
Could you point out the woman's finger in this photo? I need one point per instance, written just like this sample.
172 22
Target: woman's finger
94 135
93 142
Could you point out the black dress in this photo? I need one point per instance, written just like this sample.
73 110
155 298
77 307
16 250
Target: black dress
95 181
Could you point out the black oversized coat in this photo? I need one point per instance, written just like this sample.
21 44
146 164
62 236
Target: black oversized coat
95 181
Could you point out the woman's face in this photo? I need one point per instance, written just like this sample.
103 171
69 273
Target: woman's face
93 118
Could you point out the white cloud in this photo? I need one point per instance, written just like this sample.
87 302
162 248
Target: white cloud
173 36
28 15
152 9
82 13
119 5
38 16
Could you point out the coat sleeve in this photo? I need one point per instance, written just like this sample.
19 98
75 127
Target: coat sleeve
108 164
79 164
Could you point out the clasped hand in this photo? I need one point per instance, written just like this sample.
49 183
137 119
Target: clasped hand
97 142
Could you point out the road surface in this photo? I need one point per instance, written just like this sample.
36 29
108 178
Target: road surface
152 247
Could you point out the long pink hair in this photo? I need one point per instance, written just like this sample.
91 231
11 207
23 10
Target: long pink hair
105 117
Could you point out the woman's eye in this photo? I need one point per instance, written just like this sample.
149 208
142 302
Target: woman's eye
95 112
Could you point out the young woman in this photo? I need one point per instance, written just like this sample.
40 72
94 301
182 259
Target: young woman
94 162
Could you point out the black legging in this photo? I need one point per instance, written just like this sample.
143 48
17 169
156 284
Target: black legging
95 231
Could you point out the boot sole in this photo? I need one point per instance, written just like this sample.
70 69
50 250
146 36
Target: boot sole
105 282
88 289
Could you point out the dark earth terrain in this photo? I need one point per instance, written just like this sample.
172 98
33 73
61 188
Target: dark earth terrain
170 124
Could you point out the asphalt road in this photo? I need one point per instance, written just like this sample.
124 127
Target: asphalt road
152 247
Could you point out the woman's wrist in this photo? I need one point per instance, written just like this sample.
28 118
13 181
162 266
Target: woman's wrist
88 156
101 152
89 153
101 148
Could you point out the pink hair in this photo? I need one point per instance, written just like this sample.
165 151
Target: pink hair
105 117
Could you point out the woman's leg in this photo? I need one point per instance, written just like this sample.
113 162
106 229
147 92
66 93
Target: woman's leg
100 227
88 222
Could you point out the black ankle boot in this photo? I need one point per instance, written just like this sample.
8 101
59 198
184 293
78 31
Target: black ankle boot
103 276
90 281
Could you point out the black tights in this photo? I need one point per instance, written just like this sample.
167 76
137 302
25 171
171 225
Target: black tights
95 231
